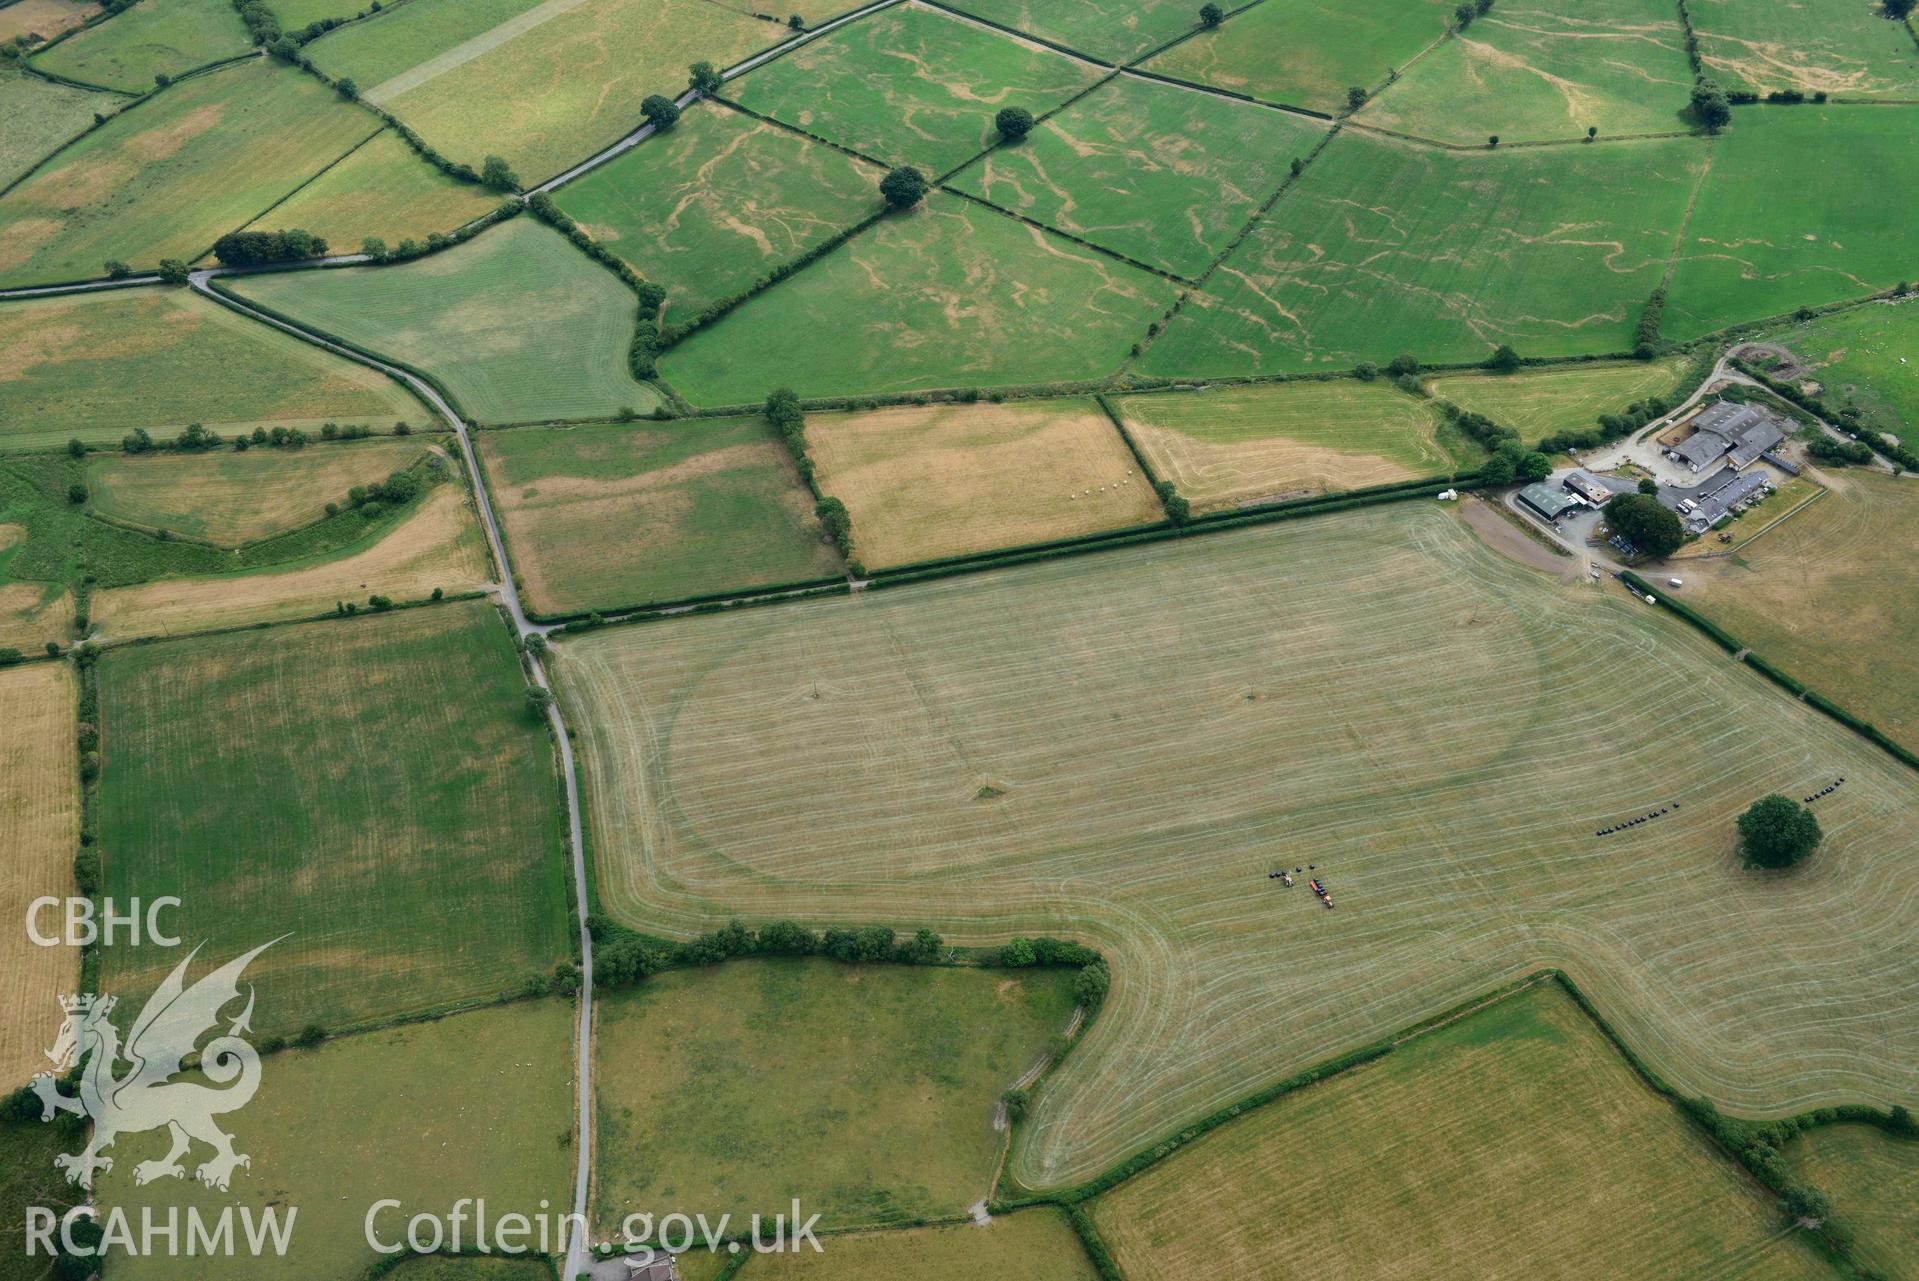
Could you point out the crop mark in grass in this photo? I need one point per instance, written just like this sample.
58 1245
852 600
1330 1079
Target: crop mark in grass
466 51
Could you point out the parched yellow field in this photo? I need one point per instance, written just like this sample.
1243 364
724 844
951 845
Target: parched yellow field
1538 403
232 498
39 830
382 190
1033 1245
1283 440
43 18
438 546
928 481
31 614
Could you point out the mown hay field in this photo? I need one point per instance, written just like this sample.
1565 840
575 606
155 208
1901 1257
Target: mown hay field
1386 247
1514 1143
1103 29
41 115
866 1091
1538 403
707 208
461 317
912 85
1815 46
1865 357
95 366
1117 748
382 190
168 178
1236 445
374 787
693 508
951 294
148 40
1157 172
1032 1245
545 85
1532 72
43 18
1794 213
476 1105
928 482
39 830
1308 53
473 1267
1870 1177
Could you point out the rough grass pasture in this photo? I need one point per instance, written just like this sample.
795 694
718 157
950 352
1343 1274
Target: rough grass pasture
167 179
130 49
867 1092
952 294
463 318
98 365
1102 29
1531 71
1850 50
383 190
1155 171
28 1177
477 1105
605 516
230 498
1794 213
470 1267
1307 53
709 207
295 14
1870 1177
438 545
43 18
33 613
1537 403
1378 693
544 85
41 115
1865 357
1267 441
1032 1245
912 85
929 482
1513 1143
1386 247
39 830
374 788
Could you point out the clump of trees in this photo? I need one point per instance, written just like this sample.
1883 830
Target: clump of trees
1356 98
1777 832
837 523
1090 987
496 173
1211 15
903 187
1013 123
660 112
1710 106
1843 453
251 248
1178 510
704 78
1645 523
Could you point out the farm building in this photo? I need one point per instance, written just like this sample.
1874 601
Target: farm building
1737 433
1713 502
1597 490
1549 500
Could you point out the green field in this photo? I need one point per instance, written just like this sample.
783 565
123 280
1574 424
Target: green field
911 85
1103 29
477 1105
463 317
373 788
1238 445
1387 247
168 178
1870 1177
384 190
1307 53
154 39
98 365
1863 358
295 14
1515 1143
1159 173
27 1178
1794 213
710 206
469 1267
1033 1245
706 506
867 1092
950 294
544 84
1527 71
40 116
1847 49
1538 403
1379 693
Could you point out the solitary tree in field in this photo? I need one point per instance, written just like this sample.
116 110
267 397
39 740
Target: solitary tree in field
1777 831
1013 123
1355 98
796 22
1211 15
660 112
1644 523
496 173
904 187
704 78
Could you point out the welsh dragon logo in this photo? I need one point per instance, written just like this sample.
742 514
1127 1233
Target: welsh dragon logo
144 1097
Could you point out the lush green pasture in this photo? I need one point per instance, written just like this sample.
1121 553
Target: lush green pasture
466 317
40 116
1538 403
98 365
374 789
1870 1177
545 85
698 507
1386 247
951 294
295 14
149 40
1265 441
1307 53
1379 693
1104 29
911 85
170 176
1160 173
1802 206
1865 358
43 18
710 206
382 190
1513 1143
1033 1245
477 1105
1847 49
1529 70
865 1091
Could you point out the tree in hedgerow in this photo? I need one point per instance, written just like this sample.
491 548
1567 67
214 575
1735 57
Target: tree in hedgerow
1211 15
1492 140
660 112
1777 831
538 699
1644 523
1533 466
1464 13
1898 9
1504 359
496 173
904 187
703 78
173 271
796 22
1355 98
1013 123
1710 106
345 87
